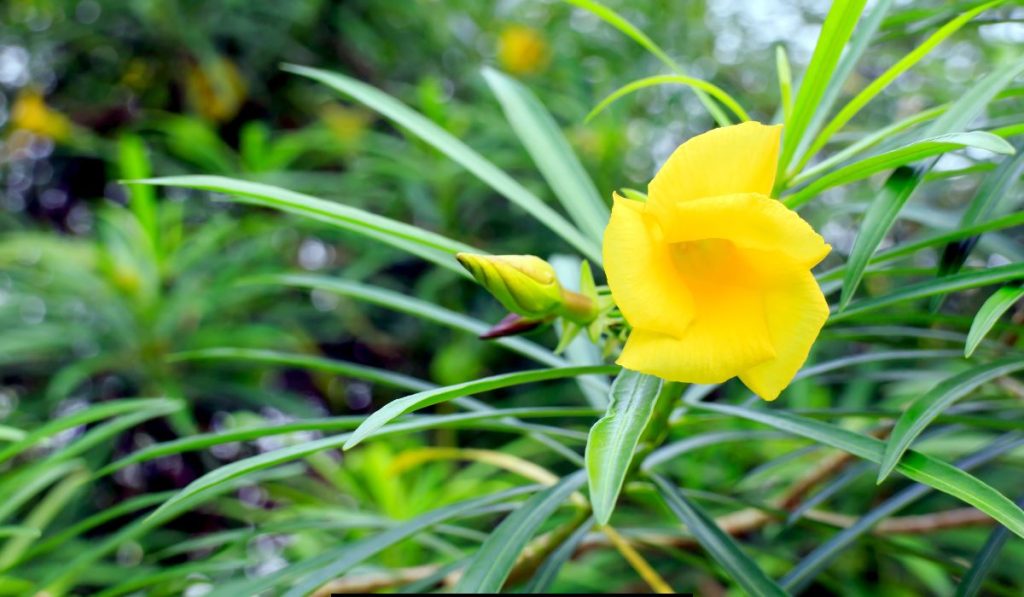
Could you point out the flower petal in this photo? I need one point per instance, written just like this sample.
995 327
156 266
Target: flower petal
796 312
643 280
729 335
748 220
735 159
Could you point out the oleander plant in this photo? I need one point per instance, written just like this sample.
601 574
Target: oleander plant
605 318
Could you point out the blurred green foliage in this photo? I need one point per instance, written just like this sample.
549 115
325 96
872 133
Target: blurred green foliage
110 294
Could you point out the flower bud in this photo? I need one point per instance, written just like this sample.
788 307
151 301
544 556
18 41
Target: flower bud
524 284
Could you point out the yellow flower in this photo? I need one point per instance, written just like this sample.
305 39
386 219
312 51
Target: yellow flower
215 89
521 50
347 124
711 272
30 113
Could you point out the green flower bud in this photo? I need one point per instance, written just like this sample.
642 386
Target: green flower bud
528 286
524 284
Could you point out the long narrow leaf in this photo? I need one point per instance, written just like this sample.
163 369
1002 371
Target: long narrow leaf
397 408
84 417
551 153
797 579
695 84
719 546
456 150
900 156
987 200
210 482
835 32
970 583
919 467
283 359
544 577
614 438
413 306
861 41
616 20
875 87
961 281
483 420
422 243
925 408
493 562
989 313
341 560
882 212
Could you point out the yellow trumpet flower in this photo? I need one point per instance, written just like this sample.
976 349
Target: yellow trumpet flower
215 89
711 272
521 50
30 113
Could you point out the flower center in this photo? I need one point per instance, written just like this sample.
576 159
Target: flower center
711 263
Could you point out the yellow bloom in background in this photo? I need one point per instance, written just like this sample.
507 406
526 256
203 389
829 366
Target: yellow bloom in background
215 89
521 50
711 272
30 113
347 124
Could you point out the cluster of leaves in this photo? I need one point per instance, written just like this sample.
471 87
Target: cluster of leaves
889 431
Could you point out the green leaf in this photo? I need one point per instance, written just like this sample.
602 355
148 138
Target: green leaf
860 42
544 577
1007 221
961 281
713 438
84 417
900 156
970 582
797 579
134 163
482 419
865 143
695 84
413 306
877 221
336 561
875 87
919 467
835 32
214 480
283 359
456 150
429 245
986 201
785 77
397 408
740 568
493 562
989 313
551 153
616 20
925 408
614 438
882 212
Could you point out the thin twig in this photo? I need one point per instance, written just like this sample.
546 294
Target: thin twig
631 555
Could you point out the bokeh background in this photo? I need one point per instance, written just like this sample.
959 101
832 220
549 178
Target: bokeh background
96 91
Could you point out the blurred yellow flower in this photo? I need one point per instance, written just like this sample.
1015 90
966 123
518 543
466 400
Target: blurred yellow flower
30 113
215 89
521 50
347 124
712 273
